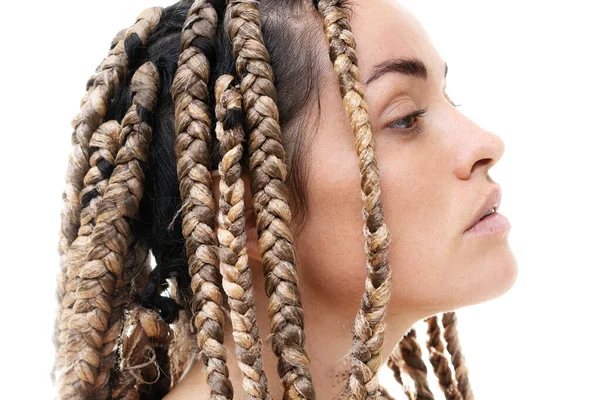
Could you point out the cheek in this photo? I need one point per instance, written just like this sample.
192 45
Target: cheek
416 212
330 251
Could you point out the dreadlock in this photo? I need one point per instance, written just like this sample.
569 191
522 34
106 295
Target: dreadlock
201 86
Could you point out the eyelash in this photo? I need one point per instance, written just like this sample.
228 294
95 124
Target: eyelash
419 113
415 128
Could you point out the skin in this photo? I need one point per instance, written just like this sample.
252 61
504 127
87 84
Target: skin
432 184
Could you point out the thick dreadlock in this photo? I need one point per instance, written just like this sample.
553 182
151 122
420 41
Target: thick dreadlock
139 180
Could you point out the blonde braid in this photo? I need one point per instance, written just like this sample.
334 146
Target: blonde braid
93 109
369 325
109 246
270 197
66 239
449 322
193 144
142 333
94 106
439 361
237 276
105 144
413 363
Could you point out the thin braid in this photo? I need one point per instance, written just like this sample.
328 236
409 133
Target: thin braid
270 197
104 144
385 394
65 240
148 334
439 361
369 325
193 144
449 322
394 363
144 339
93 110
237 276
413 363
109 246
94 106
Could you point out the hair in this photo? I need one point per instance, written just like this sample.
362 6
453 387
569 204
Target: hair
196 87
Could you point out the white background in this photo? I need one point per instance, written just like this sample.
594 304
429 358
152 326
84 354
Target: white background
527 71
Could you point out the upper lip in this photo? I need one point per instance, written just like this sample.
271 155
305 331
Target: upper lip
492 200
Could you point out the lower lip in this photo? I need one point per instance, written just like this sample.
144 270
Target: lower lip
490 225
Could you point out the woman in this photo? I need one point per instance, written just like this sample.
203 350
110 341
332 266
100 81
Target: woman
215 137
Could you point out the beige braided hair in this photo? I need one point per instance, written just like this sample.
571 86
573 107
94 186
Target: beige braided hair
100 88
140 364
66 236
110 236
193 128
413 364
198 26
106 142
237 276
270 197
369 324
94 106
449 321
439 361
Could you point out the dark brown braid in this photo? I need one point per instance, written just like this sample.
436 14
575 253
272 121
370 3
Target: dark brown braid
369 324
270 197
439 361
237 276
414 365
394 362
193 128
110 236
449 321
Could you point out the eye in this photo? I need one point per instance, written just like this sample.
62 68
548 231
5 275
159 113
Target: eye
408 123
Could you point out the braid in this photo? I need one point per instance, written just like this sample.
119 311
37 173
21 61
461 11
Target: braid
462 373
369 324
270 197
193 144
104 145
94 105
66 238
109 243
413 363
237 276
385 394
142 366
439 361
394 362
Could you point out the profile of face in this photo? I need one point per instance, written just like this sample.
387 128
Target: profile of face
433 178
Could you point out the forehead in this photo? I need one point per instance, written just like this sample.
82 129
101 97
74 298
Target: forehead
384 29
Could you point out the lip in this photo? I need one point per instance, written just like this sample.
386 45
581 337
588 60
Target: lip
492 199
493 224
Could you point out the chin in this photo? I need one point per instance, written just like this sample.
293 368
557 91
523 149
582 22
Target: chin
497 278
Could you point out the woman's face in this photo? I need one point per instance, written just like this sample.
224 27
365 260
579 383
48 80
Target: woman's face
432 182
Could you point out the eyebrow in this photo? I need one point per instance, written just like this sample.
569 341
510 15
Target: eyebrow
407 66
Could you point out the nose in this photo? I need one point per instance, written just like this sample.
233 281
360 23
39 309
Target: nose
476 151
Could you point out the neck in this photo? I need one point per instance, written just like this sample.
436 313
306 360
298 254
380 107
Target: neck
328 329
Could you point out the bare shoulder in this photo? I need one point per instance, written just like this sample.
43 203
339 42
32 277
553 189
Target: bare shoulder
190 386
